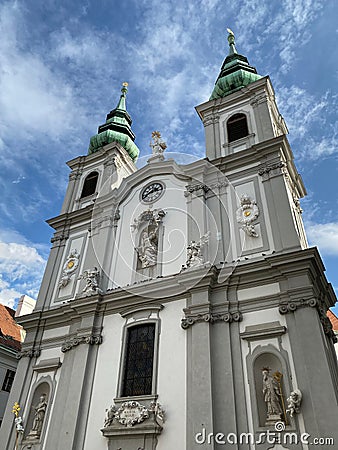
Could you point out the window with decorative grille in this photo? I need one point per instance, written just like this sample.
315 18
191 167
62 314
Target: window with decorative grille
139 360
8 381
237 127
89 184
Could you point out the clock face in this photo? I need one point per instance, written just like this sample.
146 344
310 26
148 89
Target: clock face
152 192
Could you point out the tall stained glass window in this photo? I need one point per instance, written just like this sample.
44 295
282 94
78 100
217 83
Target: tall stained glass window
139 359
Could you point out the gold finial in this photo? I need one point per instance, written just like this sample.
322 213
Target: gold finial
125 84
231 40
16 409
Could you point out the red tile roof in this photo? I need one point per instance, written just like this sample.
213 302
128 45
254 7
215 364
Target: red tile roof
333 319
10 335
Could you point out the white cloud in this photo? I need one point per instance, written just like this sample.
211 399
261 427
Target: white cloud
89 49
32 94
289 21
8 297
301 108
309 121
325 236
21 268
19 253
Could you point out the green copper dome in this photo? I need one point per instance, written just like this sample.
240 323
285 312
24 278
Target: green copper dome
235 74
116 129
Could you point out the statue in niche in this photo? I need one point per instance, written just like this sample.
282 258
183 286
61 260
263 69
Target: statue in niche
39 416
91 277
147 251
294 402
272 395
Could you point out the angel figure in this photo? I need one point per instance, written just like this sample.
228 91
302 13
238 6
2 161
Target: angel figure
158 146
294 402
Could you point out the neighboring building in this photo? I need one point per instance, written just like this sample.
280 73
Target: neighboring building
11 336
188 288
25 306
10 345
334 322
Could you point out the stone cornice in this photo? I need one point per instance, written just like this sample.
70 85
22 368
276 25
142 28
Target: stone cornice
261 155
102 154
80 216
247 274
227 317
47 365
263 331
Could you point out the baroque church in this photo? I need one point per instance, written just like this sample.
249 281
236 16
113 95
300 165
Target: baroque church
181 306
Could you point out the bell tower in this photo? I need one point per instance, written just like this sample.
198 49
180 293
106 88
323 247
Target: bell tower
242 111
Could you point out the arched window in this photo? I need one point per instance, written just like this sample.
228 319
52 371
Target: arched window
89 184
237 127
139 360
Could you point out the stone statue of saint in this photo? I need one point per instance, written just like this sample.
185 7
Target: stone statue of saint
147 251
39 415
272 396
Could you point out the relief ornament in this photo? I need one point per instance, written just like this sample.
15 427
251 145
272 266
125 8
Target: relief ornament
246 214
69 268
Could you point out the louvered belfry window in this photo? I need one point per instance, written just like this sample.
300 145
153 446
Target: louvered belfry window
237 127
139 359
89 185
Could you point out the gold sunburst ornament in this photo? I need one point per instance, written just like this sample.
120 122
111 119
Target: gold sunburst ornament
70 264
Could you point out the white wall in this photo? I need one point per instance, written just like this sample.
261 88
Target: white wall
173 203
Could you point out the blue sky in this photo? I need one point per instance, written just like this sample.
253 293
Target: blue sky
61 68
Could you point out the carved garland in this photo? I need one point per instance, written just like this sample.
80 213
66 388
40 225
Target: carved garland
229 317
266 169
91 340
200 188
75 174
31 353
291 306
130 413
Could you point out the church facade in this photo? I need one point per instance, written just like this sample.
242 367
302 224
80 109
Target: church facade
181 306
